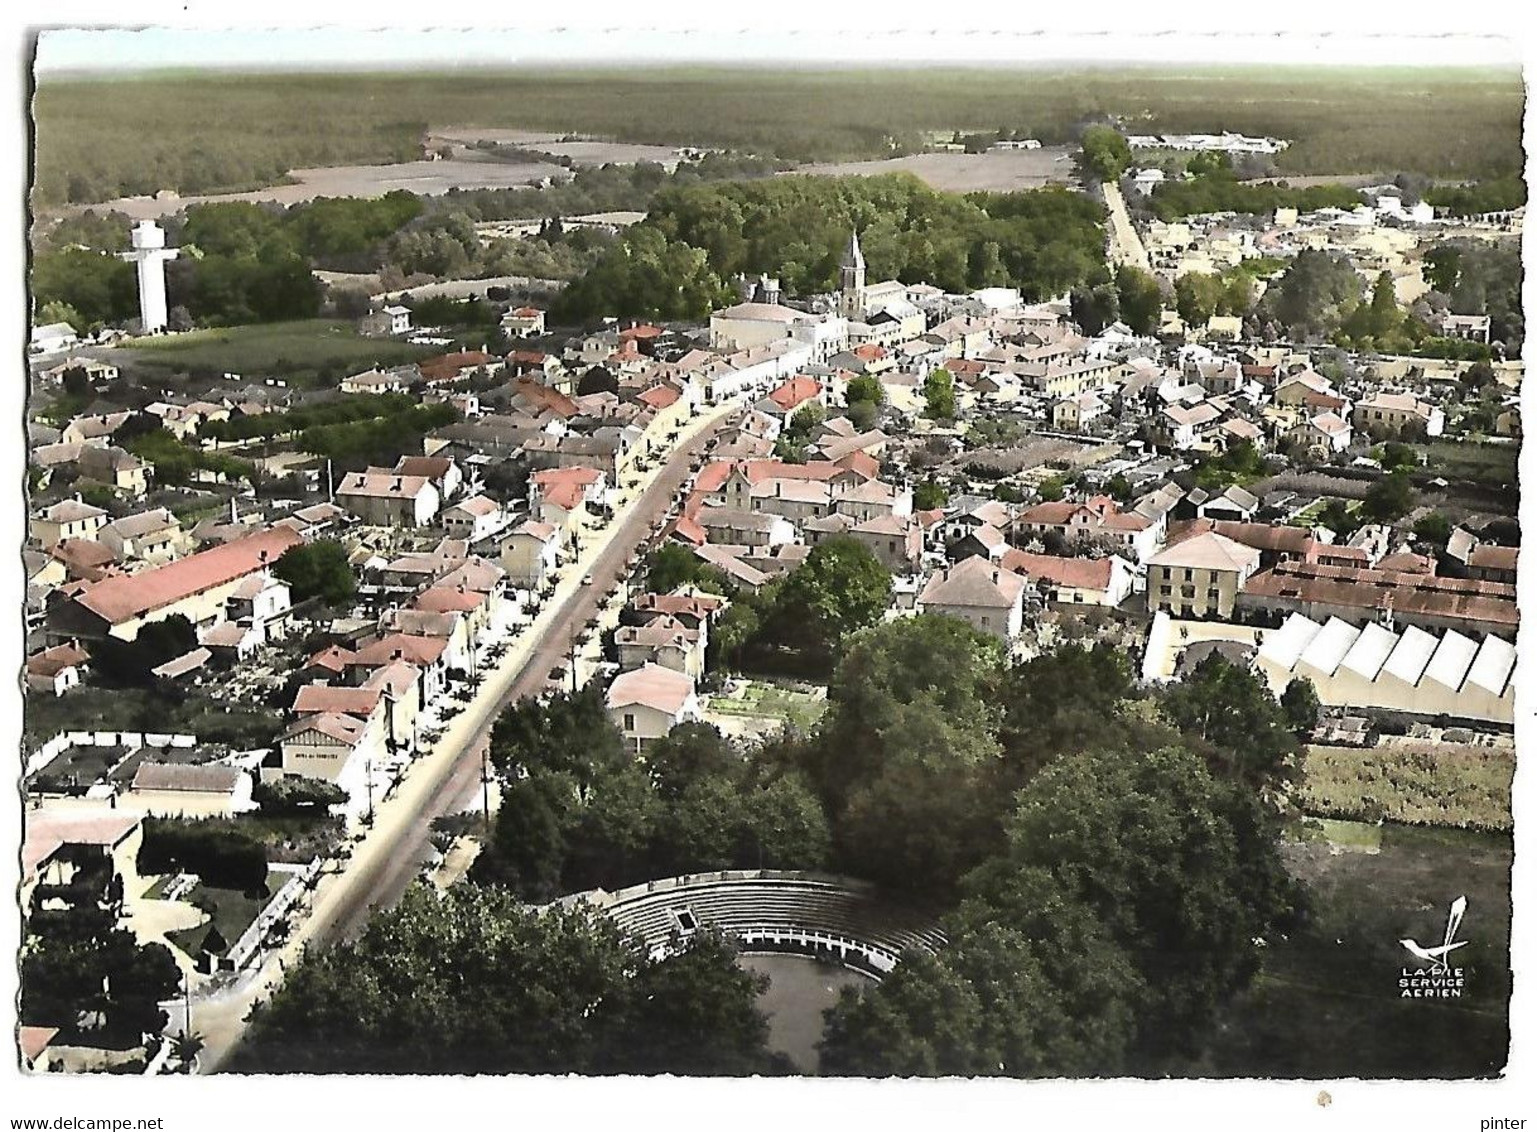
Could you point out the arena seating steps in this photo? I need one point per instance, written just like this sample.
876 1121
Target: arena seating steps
738 902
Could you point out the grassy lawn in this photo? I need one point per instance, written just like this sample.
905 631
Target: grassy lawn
1326 1001
1439 784
1493 464
231 910
1309 515
773 701
1358 835
314 352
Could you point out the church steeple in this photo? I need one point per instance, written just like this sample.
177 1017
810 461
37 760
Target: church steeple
851 280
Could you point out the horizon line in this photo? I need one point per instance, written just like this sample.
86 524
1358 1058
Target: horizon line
587 63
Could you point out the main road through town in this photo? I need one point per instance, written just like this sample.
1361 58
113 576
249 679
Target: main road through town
1125 246
389 856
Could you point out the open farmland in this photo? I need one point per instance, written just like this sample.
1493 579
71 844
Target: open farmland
101 138
1004 171
1411 781
424 178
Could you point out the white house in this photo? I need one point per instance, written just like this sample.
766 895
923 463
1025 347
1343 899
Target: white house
473 519
979 592
384 499
648 702
530 554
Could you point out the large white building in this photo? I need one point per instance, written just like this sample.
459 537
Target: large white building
1411 671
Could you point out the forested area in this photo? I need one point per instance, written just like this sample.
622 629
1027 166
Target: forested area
472 981
1103 862
696 239
1500 194
103 138
240 262
1215 188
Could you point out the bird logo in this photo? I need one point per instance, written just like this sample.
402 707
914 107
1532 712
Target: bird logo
1437 957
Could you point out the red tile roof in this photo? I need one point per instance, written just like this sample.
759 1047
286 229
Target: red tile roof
321 698
659 396
400 646
1079 573
121 599
443 599
651 686
50 662
48 830
795 392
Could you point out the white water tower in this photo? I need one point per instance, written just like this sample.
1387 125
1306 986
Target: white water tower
149 254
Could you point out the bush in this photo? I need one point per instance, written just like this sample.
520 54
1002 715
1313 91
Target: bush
297 797
221 858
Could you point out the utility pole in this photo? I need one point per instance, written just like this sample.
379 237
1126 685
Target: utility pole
485 782
573 662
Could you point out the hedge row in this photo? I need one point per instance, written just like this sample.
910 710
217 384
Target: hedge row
222 858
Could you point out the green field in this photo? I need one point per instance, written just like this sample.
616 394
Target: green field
773 701
104 137
1326 1003
1491 464
1418 784
314 352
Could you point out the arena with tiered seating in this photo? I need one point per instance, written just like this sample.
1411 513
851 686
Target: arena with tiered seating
838 919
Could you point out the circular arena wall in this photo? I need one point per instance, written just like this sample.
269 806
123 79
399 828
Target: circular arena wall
836 918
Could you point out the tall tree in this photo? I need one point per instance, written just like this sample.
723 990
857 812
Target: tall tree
939 394
470 981
1229 712
1178 867
318 569
840 588
1139 299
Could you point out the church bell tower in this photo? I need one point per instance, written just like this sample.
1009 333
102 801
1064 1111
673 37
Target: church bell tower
851 281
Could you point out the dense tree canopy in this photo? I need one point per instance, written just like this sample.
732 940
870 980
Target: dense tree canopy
77 962
578 813
1103 154
98 287
318 569
1216 189
470 981
1228 712
696 238
1119 917
906 753
1312 295
840 588
1139 299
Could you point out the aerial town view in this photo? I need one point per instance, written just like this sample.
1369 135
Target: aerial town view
716 571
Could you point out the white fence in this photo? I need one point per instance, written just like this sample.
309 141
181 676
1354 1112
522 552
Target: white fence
251 939
64 740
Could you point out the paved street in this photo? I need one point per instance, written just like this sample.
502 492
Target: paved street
1125 244
385 862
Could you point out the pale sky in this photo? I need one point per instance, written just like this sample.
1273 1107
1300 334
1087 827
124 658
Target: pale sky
621 43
